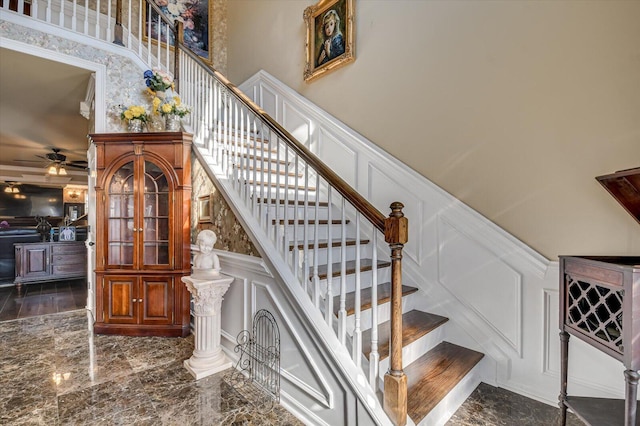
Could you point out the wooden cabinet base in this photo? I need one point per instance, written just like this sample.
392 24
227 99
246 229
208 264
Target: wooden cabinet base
136 330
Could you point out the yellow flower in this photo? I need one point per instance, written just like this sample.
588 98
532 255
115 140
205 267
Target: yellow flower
177 100
156 103
128 114
166 108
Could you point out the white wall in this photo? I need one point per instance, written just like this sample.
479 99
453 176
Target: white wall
512 107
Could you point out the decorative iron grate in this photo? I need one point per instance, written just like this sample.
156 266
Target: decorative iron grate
596 311
259 361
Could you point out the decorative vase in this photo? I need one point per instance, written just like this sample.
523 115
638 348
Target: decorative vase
172 123
155 123
161 94
135 125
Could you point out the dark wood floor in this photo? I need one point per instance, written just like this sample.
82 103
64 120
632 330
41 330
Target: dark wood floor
42 299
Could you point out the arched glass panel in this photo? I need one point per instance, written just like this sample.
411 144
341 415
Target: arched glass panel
121 211
156 216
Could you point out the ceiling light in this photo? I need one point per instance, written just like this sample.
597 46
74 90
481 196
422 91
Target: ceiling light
62 171
15 190
8 189
53 170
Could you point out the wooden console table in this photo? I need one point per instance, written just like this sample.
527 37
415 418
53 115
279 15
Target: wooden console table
49 261
600 305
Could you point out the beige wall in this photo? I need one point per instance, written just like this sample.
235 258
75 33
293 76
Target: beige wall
512 106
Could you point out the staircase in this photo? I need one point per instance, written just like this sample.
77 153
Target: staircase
318 233
340 269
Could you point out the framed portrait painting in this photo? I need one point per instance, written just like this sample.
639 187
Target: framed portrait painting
330 34
194 14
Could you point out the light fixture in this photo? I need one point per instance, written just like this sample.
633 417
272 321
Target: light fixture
57 169
11 188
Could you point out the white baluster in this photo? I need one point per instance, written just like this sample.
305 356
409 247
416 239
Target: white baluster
86 17
329 292
374 357
357 331
342 313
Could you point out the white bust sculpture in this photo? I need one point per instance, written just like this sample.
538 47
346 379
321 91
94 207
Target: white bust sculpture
206 264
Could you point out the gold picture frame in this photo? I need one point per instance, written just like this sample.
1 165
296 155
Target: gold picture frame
196 16
205 208
332 47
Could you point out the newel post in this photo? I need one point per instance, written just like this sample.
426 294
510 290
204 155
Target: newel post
395 381
117 31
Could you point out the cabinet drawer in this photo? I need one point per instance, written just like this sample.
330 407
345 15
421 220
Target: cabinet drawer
66 248
68 259
75 269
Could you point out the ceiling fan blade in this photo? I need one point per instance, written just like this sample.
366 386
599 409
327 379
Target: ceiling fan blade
76 166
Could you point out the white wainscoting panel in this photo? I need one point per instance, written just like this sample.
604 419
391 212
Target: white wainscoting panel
297 124
345 159
482 281
383 190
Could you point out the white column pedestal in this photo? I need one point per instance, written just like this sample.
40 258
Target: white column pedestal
208 357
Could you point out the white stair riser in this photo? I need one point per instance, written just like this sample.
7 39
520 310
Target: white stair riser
322 212
384 314
279 194
384 275
416 349
324 232
336 254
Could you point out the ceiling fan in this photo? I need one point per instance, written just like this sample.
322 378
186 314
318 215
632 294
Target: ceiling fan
58 163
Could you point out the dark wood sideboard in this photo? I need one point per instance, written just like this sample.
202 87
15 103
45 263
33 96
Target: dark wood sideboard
49 261
600 305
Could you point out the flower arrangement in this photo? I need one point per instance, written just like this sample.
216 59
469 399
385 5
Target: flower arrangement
173 105
134 112
158 80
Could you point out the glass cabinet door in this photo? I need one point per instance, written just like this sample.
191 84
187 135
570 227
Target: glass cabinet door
156 210
121 224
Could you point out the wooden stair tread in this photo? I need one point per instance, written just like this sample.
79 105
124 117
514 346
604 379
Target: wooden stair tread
322 244
309 222
384 295
350 267
280 185
292 202
273 171
415 324
432 376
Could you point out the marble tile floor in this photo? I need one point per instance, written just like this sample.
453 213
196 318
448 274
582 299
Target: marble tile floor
54 371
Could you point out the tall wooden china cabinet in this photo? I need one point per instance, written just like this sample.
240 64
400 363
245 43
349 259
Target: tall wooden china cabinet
143 193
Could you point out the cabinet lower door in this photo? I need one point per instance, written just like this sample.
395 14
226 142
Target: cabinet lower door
35 261
157 300
120 299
